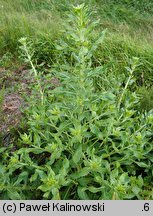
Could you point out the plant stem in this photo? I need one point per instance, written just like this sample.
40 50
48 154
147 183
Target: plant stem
124 90
35 73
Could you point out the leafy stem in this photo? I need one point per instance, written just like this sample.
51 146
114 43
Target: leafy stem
131 69
29 59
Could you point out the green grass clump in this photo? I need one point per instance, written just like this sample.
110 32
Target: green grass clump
26 18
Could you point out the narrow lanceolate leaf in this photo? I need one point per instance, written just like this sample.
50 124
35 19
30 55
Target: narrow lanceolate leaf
44 188
94 189
141 164
21 177
13 195
82 172
64 170
56 194
66 164
78 154
98 41
82 193
36 150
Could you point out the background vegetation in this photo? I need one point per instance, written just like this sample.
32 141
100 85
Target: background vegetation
84 130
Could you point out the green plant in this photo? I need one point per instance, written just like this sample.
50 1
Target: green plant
131 70
28 58
78 144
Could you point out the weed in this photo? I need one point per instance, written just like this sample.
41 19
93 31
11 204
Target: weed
78 145
87 138
28 55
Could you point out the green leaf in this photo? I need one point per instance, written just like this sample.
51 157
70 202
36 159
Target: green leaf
55 155
41 173
13 195
94 189
2 149
21 177
87 134
34 177
46 194
96 43
108 96
124 178
82 194
64 170
83 172
141 164
66 163
56 195
84 181
36 150
78 154
44 188
136 190
94 129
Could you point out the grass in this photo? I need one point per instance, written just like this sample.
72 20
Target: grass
26 18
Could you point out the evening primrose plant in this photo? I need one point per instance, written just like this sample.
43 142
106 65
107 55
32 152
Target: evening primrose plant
82 142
